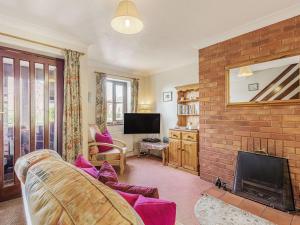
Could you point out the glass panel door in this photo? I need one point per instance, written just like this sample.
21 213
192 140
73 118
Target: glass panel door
39 105
8 121
25 107
52 108
31 101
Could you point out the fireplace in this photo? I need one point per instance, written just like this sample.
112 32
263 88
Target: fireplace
265 179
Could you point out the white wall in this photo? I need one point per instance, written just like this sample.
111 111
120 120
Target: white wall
167 81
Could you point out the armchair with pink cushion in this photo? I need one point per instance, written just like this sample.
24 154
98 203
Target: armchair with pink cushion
102 147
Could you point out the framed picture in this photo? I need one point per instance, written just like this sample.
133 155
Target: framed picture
253 87
167 96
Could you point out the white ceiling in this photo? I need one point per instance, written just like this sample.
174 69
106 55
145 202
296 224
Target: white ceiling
174 29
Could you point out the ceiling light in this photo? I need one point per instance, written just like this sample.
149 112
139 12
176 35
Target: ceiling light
245 71
127 20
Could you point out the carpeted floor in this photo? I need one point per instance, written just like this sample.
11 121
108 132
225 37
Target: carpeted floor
12 212
183 188
175 185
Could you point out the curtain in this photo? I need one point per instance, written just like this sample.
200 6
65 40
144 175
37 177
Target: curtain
72 133
101 106
134 95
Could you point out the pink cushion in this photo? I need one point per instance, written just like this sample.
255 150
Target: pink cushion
134 189
81 162
91 171
107 173
86 166
105 137
155 211
130 198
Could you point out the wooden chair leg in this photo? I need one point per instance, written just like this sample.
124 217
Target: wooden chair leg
122 164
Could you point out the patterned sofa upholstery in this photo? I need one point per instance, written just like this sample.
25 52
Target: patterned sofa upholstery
56 192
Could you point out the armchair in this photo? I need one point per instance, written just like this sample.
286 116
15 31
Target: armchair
115 156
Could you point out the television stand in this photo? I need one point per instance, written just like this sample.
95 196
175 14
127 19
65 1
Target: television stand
158 146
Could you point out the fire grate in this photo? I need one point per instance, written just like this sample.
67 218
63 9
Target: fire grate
264 179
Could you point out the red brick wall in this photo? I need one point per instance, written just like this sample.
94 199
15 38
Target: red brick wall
224 129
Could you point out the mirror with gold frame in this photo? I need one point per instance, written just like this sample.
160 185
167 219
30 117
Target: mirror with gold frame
269 82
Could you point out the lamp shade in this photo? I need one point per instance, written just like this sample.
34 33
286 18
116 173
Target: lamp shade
126 19
245 71
144 107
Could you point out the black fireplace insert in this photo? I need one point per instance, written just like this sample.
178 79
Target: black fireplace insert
264 179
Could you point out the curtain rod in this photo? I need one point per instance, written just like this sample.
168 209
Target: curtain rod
34 42
132 78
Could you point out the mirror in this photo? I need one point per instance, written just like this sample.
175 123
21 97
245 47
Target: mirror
268 82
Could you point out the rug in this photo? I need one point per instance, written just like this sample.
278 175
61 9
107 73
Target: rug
212 211
12 212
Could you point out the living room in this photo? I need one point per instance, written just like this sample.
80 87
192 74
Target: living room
182 116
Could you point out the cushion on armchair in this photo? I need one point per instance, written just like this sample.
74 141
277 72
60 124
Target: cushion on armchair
150 192
155 211
104 137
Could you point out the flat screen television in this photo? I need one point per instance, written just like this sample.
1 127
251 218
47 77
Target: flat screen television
141 123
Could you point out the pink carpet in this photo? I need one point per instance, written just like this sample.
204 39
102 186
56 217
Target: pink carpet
175 185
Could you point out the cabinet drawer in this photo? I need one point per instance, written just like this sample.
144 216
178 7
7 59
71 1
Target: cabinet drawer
189 136
175 134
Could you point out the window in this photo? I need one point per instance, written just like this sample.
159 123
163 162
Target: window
116 96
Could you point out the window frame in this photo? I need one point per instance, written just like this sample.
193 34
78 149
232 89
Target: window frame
114 102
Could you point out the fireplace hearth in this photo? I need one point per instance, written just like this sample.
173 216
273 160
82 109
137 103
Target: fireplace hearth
264 179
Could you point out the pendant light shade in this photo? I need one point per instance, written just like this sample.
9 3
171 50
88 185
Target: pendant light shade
245 71
127 20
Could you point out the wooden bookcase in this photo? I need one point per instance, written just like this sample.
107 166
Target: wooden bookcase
188 105
184 143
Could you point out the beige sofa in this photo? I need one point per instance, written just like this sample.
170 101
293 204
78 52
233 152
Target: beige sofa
56 192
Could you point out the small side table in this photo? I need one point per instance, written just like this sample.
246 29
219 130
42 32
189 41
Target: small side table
159 146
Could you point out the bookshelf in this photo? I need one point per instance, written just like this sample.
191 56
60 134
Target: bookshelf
188 108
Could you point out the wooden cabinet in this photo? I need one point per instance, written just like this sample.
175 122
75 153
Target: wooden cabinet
183 150
175 153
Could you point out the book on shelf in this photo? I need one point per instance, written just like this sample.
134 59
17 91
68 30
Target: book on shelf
192 109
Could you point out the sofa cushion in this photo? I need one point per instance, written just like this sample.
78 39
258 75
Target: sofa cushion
81 162
91 171
150 192
104 137
130 198
155 211
107 173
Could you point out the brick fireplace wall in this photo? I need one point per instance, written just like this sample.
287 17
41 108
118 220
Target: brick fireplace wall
225 130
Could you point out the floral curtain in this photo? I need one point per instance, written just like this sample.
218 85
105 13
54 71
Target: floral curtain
134 95
101 106
72 135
